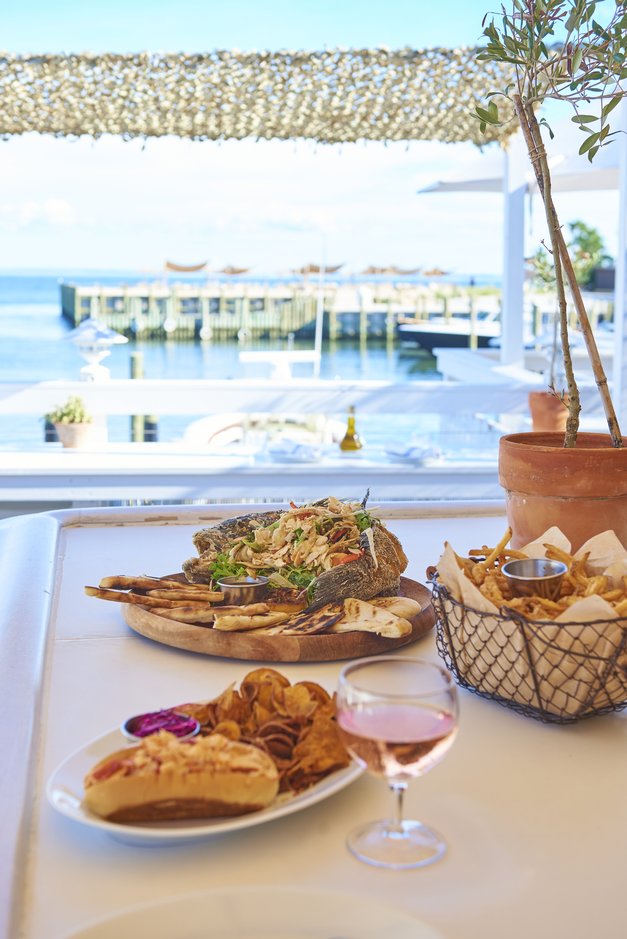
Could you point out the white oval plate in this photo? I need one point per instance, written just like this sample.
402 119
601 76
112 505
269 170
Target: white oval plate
262 913
65 794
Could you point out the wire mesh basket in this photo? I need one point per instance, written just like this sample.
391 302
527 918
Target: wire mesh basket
554 672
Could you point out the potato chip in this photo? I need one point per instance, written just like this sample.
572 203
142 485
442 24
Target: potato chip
295 701
294 724
228 728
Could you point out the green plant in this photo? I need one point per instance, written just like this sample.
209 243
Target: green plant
587 250
72 412
558 50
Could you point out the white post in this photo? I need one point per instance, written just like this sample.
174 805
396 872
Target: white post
619 372
320 312
514 189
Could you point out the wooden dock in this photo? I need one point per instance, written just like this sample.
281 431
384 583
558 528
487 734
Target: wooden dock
244 311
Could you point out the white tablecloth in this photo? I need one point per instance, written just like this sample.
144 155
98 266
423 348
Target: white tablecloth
535 815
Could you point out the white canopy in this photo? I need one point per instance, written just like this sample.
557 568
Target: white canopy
570 172
508 171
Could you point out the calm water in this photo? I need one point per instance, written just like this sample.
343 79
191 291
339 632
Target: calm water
34 346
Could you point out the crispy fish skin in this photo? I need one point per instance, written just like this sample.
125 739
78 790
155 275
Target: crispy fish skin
362 579
365 577
228 531
209 542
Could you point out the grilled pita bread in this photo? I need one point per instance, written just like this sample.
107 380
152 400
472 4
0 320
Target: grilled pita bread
309 623
401 606
239 622
360 616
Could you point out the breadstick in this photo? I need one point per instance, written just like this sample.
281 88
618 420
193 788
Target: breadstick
211 596
122 582
122 597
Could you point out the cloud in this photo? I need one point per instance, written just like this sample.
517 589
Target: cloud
53 213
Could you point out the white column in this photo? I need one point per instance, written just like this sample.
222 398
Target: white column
514 189
619 372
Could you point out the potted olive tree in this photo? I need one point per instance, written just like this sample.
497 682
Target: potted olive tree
73 423
558 50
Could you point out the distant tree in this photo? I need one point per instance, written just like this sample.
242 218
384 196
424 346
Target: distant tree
587 251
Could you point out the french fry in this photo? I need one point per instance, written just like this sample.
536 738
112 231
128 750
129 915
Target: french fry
611 595
483 568
595 585
493 555
558 554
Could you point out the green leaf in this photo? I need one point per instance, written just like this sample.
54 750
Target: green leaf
599 31
610 105
590 142
487 116
584 118
577 59
592 152
571 22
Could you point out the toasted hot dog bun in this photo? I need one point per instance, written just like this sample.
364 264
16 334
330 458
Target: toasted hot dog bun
167 778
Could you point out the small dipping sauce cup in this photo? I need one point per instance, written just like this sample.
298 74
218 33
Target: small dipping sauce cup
535 577
239 590
143 725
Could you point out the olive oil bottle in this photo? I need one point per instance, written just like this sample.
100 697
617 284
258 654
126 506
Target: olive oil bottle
350 440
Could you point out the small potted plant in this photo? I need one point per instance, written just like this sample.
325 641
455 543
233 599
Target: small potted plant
73 422
558 50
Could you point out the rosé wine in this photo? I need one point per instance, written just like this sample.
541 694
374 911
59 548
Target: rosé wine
398 741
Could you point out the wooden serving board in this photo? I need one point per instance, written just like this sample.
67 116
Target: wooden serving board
321 647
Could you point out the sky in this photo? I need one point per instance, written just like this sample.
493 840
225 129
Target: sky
268 205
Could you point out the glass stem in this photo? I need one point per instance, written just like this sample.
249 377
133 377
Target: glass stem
399 789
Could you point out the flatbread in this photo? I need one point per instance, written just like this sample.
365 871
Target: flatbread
404 607
234 622
360 616
309 623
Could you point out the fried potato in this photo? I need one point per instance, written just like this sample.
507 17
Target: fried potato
294 724
486 574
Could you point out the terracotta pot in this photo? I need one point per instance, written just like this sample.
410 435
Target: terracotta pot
77 435
548 413
582 490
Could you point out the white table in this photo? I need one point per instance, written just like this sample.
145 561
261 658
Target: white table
535 815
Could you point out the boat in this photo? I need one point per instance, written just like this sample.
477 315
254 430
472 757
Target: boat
452 332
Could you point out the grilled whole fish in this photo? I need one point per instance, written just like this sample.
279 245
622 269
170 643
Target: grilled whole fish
372 573
368 576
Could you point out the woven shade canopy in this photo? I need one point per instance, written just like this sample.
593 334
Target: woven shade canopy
335 96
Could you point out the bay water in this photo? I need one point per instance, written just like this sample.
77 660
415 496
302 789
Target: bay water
35 346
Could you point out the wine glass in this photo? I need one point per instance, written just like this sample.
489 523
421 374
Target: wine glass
398 718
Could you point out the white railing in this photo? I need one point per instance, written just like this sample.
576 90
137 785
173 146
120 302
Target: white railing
307 396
